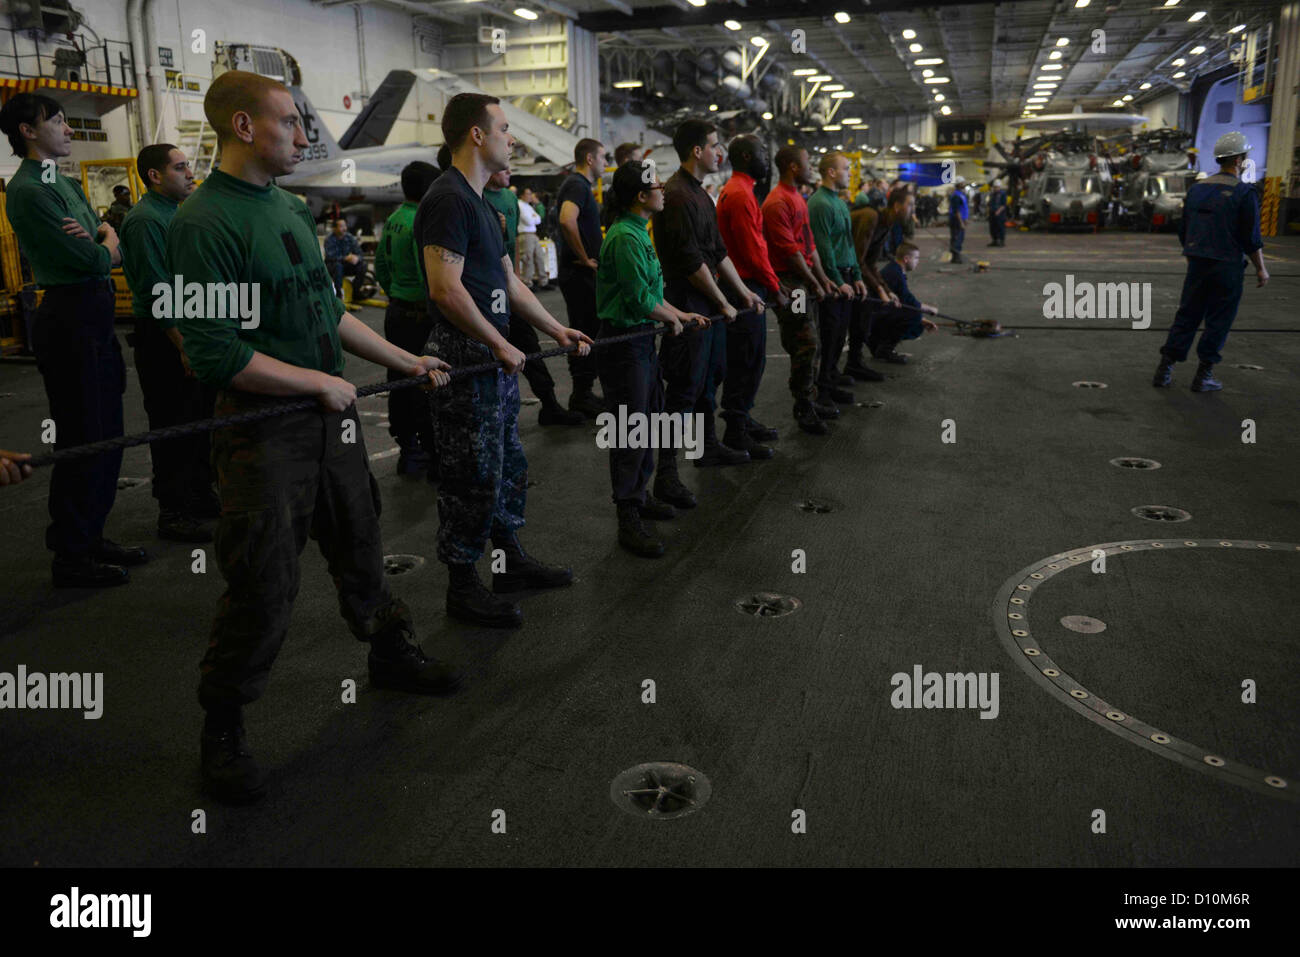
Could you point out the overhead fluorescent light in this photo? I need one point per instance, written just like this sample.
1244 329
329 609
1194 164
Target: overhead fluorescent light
927 73
832 87
1180 62
1051 66
915 47
945 110
767 116
627 84
713 107
1179 75
1237 29
696 3
939 98
731 24
842 17
758 41
523 13
1036 99
806 71
1126 97
820 78
852 121
1053 80
928 61
1080 4
1196 17
842 95
1171 3
1062 41
909 34
1197 50
1054 55
1118 103
1145 86
832 128
938 79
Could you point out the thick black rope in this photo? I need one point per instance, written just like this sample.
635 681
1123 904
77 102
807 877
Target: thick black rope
272 409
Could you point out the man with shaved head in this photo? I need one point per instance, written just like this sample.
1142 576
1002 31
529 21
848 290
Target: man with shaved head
244 239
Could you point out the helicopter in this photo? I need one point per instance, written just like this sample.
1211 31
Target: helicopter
1154 171
1060 180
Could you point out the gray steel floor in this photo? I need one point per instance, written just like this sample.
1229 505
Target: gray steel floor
780 714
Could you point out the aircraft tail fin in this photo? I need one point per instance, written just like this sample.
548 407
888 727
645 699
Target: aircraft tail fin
321 145
376 119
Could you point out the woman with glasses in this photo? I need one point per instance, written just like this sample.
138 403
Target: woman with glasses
630 297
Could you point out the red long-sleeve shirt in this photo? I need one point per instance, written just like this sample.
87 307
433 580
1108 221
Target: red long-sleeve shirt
786 227
741 225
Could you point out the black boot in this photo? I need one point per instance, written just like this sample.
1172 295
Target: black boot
737 436
1205 380
668 486
633 534
584 402
399 664
523 571
806 417
758 431
715 452
227 767
469 600
177 527
833 394
825 409
1164 376
653 508
855 368
412 460
115 554
555 414
87 573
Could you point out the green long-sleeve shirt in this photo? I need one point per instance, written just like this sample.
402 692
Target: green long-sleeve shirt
507 204
144 254
262 241
36 210
397 261
629 279
832 231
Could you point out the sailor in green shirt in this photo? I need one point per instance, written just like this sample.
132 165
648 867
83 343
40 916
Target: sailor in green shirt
832 230
77 352
260 319
407 323
506 203
630 295
182 475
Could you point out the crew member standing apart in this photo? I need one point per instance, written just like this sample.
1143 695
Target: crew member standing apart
695 261
292 475
794 259
407 324
741 224
343 257
832 232
958 213
629 296
579 244
998 216
1219 231
182 473
474 292
77 352
530 263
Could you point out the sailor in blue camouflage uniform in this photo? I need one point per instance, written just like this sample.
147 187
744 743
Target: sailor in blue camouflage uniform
473 290
1219 232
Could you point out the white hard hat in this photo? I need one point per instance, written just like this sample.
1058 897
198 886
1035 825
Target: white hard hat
959 181
1231 144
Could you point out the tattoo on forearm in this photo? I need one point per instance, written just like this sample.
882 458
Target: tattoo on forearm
447 256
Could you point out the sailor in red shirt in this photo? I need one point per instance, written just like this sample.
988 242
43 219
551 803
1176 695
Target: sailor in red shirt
741 225
794 260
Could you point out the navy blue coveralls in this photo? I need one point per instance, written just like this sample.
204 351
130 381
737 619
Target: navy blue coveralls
998 221
1220 227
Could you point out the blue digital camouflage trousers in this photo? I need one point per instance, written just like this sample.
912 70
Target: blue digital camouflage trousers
484 475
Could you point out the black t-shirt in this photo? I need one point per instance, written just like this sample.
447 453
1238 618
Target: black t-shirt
453 216
577 189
